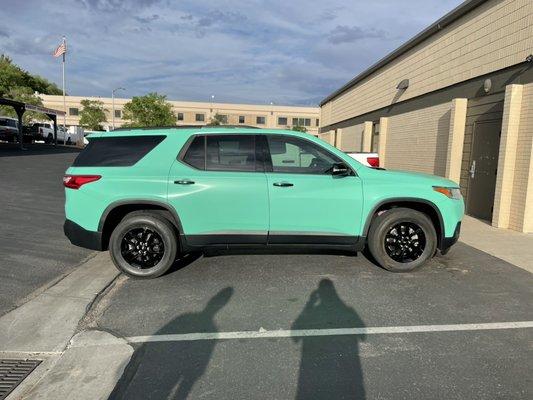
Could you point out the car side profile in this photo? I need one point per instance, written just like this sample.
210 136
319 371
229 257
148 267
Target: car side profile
152 195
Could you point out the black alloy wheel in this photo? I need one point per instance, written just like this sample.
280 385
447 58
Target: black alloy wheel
144 244
142 247
402 239
405 242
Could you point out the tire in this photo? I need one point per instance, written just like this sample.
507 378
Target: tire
133 231
49 138
397 251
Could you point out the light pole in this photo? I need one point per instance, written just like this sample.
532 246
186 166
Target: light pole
113 106
211 109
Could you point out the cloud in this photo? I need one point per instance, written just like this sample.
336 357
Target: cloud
240 51
349 34
146 20
39 46
117 5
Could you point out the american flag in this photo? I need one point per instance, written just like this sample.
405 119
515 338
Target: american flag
61 49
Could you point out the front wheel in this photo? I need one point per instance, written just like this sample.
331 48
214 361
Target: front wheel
143 245
402 239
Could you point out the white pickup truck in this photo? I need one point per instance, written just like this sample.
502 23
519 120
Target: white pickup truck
45 131
368 159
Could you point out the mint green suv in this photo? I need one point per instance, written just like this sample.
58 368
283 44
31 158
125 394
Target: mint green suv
151 196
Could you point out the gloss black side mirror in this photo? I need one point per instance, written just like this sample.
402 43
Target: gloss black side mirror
340 169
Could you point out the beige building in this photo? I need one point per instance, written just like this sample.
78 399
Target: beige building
197 113
456 101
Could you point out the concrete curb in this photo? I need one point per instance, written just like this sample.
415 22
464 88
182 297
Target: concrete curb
89 369
44 329
48 322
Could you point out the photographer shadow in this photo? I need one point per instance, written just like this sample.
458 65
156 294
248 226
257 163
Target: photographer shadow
330 367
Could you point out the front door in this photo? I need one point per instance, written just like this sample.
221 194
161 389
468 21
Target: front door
307 203
483 169
220 192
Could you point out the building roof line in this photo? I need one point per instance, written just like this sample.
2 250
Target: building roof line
446 20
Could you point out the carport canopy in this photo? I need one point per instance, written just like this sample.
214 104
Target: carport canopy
21 108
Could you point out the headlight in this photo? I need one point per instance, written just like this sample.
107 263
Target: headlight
452 193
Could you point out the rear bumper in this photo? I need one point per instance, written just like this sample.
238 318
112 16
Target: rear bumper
448 242
81 237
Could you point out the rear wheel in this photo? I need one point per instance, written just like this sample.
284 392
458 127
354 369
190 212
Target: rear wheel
143 245
402 239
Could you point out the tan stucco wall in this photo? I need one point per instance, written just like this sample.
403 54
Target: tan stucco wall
513 200
418 140
521 212
328 137
352 138
495 35
190 109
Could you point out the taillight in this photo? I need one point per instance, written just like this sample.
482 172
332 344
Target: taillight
373 161
77 181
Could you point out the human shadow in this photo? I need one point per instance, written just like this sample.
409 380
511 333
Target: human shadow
330 367
169 369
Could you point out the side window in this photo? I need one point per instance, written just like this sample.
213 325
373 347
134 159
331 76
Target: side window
297 156
230 153
195 155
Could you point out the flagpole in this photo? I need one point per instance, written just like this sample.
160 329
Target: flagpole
64 100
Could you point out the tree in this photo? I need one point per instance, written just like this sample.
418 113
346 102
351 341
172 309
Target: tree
217 120
25 95
92 116
148 111
18 84
12 76
299 128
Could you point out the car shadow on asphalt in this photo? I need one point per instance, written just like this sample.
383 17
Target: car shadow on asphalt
163 371
330 367
183 262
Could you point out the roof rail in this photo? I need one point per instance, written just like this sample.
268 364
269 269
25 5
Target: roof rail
186 127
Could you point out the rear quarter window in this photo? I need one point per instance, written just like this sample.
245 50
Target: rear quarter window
121 151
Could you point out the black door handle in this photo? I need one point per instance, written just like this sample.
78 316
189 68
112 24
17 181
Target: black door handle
283 184
184 182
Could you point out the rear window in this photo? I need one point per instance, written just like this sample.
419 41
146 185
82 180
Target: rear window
121 151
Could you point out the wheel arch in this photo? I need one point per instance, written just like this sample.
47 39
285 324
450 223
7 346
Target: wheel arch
116 211
425 206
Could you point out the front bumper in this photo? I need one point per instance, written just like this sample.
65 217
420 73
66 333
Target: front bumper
448 242
79 236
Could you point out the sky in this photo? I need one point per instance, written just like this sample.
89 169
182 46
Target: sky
281 51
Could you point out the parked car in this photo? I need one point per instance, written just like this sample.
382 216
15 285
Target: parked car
42 131
9 129
368 159
150 196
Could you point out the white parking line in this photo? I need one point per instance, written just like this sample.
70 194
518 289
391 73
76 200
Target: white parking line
379 330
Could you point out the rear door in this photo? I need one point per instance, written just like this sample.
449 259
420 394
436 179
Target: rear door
307 203
219 190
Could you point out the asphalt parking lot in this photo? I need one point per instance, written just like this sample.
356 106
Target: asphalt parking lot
33 249
193 329
242 293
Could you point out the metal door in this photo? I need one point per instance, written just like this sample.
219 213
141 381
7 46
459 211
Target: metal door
483 169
